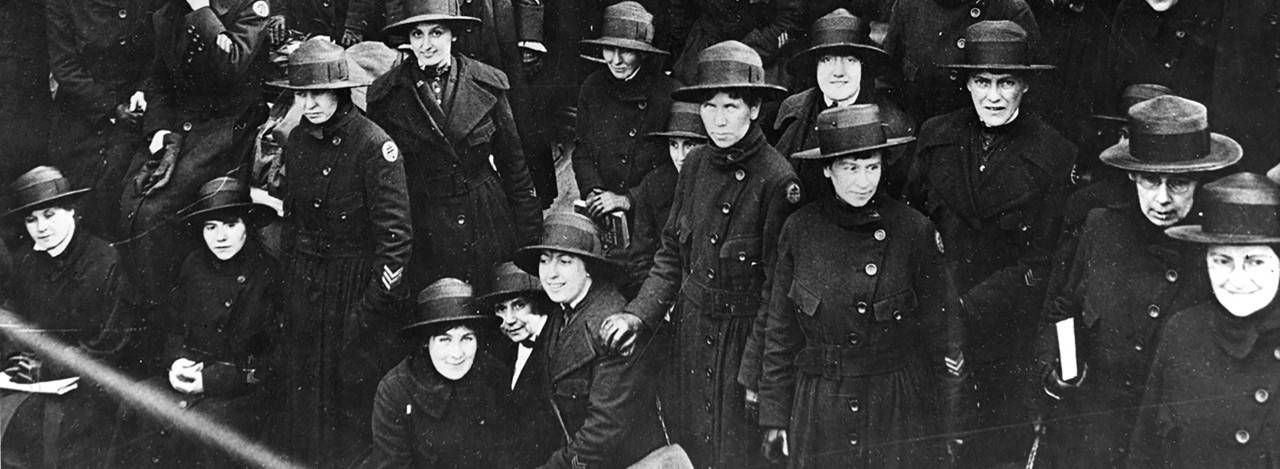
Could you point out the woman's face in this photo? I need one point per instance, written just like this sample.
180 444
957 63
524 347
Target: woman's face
50 226
622 63
855 179
727 119
318 106
563 276
679 147
517 317
453 352
225 238
839 76
431 43
1244 278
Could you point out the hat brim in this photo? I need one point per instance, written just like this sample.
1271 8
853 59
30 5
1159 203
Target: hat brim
677 134
69 196
258 212
1196 234
527 259
629 44
806 59
417 327
1106 118
489 297
1002 67
816 153
337 85
465 23
690 93
1223 152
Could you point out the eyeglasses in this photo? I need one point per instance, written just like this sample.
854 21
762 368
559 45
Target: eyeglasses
1175 184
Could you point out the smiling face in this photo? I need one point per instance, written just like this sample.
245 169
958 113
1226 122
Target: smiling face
225 238
431 43
1164 199
1244 278
50 226
839 76
855 179
727 119
453 352
317 106
519 321
996 96
622 63
563 276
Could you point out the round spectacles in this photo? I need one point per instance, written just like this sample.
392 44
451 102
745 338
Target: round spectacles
1176 185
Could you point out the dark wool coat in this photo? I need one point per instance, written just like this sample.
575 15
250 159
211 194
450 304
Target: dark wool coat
1246 77
797 119
468 215
607 401
422 419
347 240
613 153
1174 48
863 333
650 207
1210 393
99 53
24 86
714 264
535 432
698 24
313 17
1122 282
924 34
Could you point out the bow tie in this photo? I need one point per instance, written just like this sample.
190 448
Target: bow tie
527 342
436 72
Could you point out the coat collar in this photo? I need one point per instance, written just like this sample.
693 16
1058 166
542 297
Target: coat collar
573 347
431 392
738 154
1238 337
334 126
471 101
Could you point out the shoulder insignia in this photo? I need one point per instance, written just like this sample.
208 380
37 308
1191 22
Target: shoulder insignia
937 239
955 366
390 152
391 278
260 8
793 192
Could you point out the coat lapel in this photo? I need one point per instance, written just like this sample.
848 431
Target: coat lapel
470 103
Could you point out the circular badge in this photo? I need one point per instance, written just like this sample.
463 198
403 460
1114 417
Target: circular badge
793 192
937 238
260 8
390 152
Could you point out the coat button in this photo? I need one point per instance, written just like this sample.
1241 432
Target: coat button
227 303
316 203
642 105
975 12
739 174
241 279
853 439
879 235
1153 311
861 307
855 406
854 339
711 274
1261 396
122 14
1168 65
1171 276
707 405
462 219
186 126
710 340
742 256
337 141
1242 436
326 171
631 133
725 208
1137 347
960 43
871 269
713 238
1180 34
708 373
1276 353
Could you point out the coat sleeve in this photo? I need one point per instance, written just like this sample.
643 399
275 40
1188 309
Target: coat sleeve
658 293
783 341
1064 298
516 182
246 29
786 18
365 17
644 241
158 90
74 80
777 209
586 158
944 330
392 433
1152 428
392 232
529 19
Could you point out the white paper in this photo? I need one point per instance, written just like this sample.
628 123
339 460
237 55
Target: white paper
1067 348
59 387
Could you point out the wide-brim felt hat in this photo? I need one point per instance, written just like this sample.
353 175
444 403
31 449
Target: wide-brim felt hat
571 233
507 279
1243 208
412 12
1170 134
997 46
227 196
729 65
848 130
40 187
318 64
626 25
445 301
1131 95
685 121
838 32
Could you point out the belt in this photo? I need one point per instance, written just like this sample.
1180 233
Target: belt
320 244
454 184
721 303
833 362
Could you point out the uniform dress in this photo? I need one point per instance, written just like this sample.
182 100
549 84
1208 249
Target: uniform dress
1123 282
422 419
862 323
347 240
81 299
698 24
606 401
714 264
924 34
99 54
996 196
211 98
467 215
650 206
797 120
229 318
1211 393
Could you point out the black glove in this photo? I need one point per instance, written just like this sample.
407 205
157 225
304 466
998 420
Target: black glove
155 173
277 33
773 444
123 114
24 368
350 38
1060 390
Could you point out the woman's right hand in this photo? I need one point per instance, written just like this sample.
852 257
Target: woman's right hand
774 444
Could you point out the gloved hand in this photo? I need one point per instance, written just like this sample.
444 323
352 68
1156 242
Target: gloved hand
124 114
619 332
1058 389
774 445
277 33
156 172
186 376
350 38
531 60
24 368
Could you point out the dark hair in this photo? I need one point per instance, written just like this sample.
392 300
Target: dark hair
862 155
538 301
751 97
428 331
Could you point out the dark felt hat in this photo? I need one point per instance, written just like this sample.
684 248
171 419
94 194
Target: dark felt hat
1170 134
318 64
445 301
508 279
838 32
684 122
227 196
1243 208
1131 95
629 26
404 14
567 232
40 187
846 130
726 66
997 45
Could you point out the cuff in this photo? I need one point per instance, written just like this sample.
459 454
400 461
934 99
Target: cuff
533 46
206 25
222 378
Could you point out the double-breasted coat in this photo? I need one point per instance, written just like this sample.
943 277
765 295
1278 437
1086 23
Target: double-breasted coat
714 265
614 115
650 207
99 53
1174 48
764 25
468 213
24 86
347 241
1211 394
607 402
996 196
1246 77
863 358
1123 282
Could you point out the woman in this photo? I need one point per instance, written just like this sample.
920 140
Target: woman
68 286
862 357
1208 397
347 240
221 348
473 202
845 64
440 406
604 402
616 108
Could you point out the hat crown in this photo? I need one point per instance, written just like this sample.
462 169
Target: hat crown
996 45
445 300
1168 115
222 192
41 175
573 232
40 184
317 62
840 27
686 118
509 278
445 288
1139 92
995 31
844 128
411 8
1242 204
730 64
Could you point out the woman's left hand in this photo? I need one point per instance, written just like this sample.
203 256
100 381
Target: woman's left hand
607 202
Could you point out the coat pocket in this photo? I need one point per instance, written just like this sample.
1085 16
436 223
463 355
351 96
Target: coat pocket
345 215
740 263
482 134
895 307
806 301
